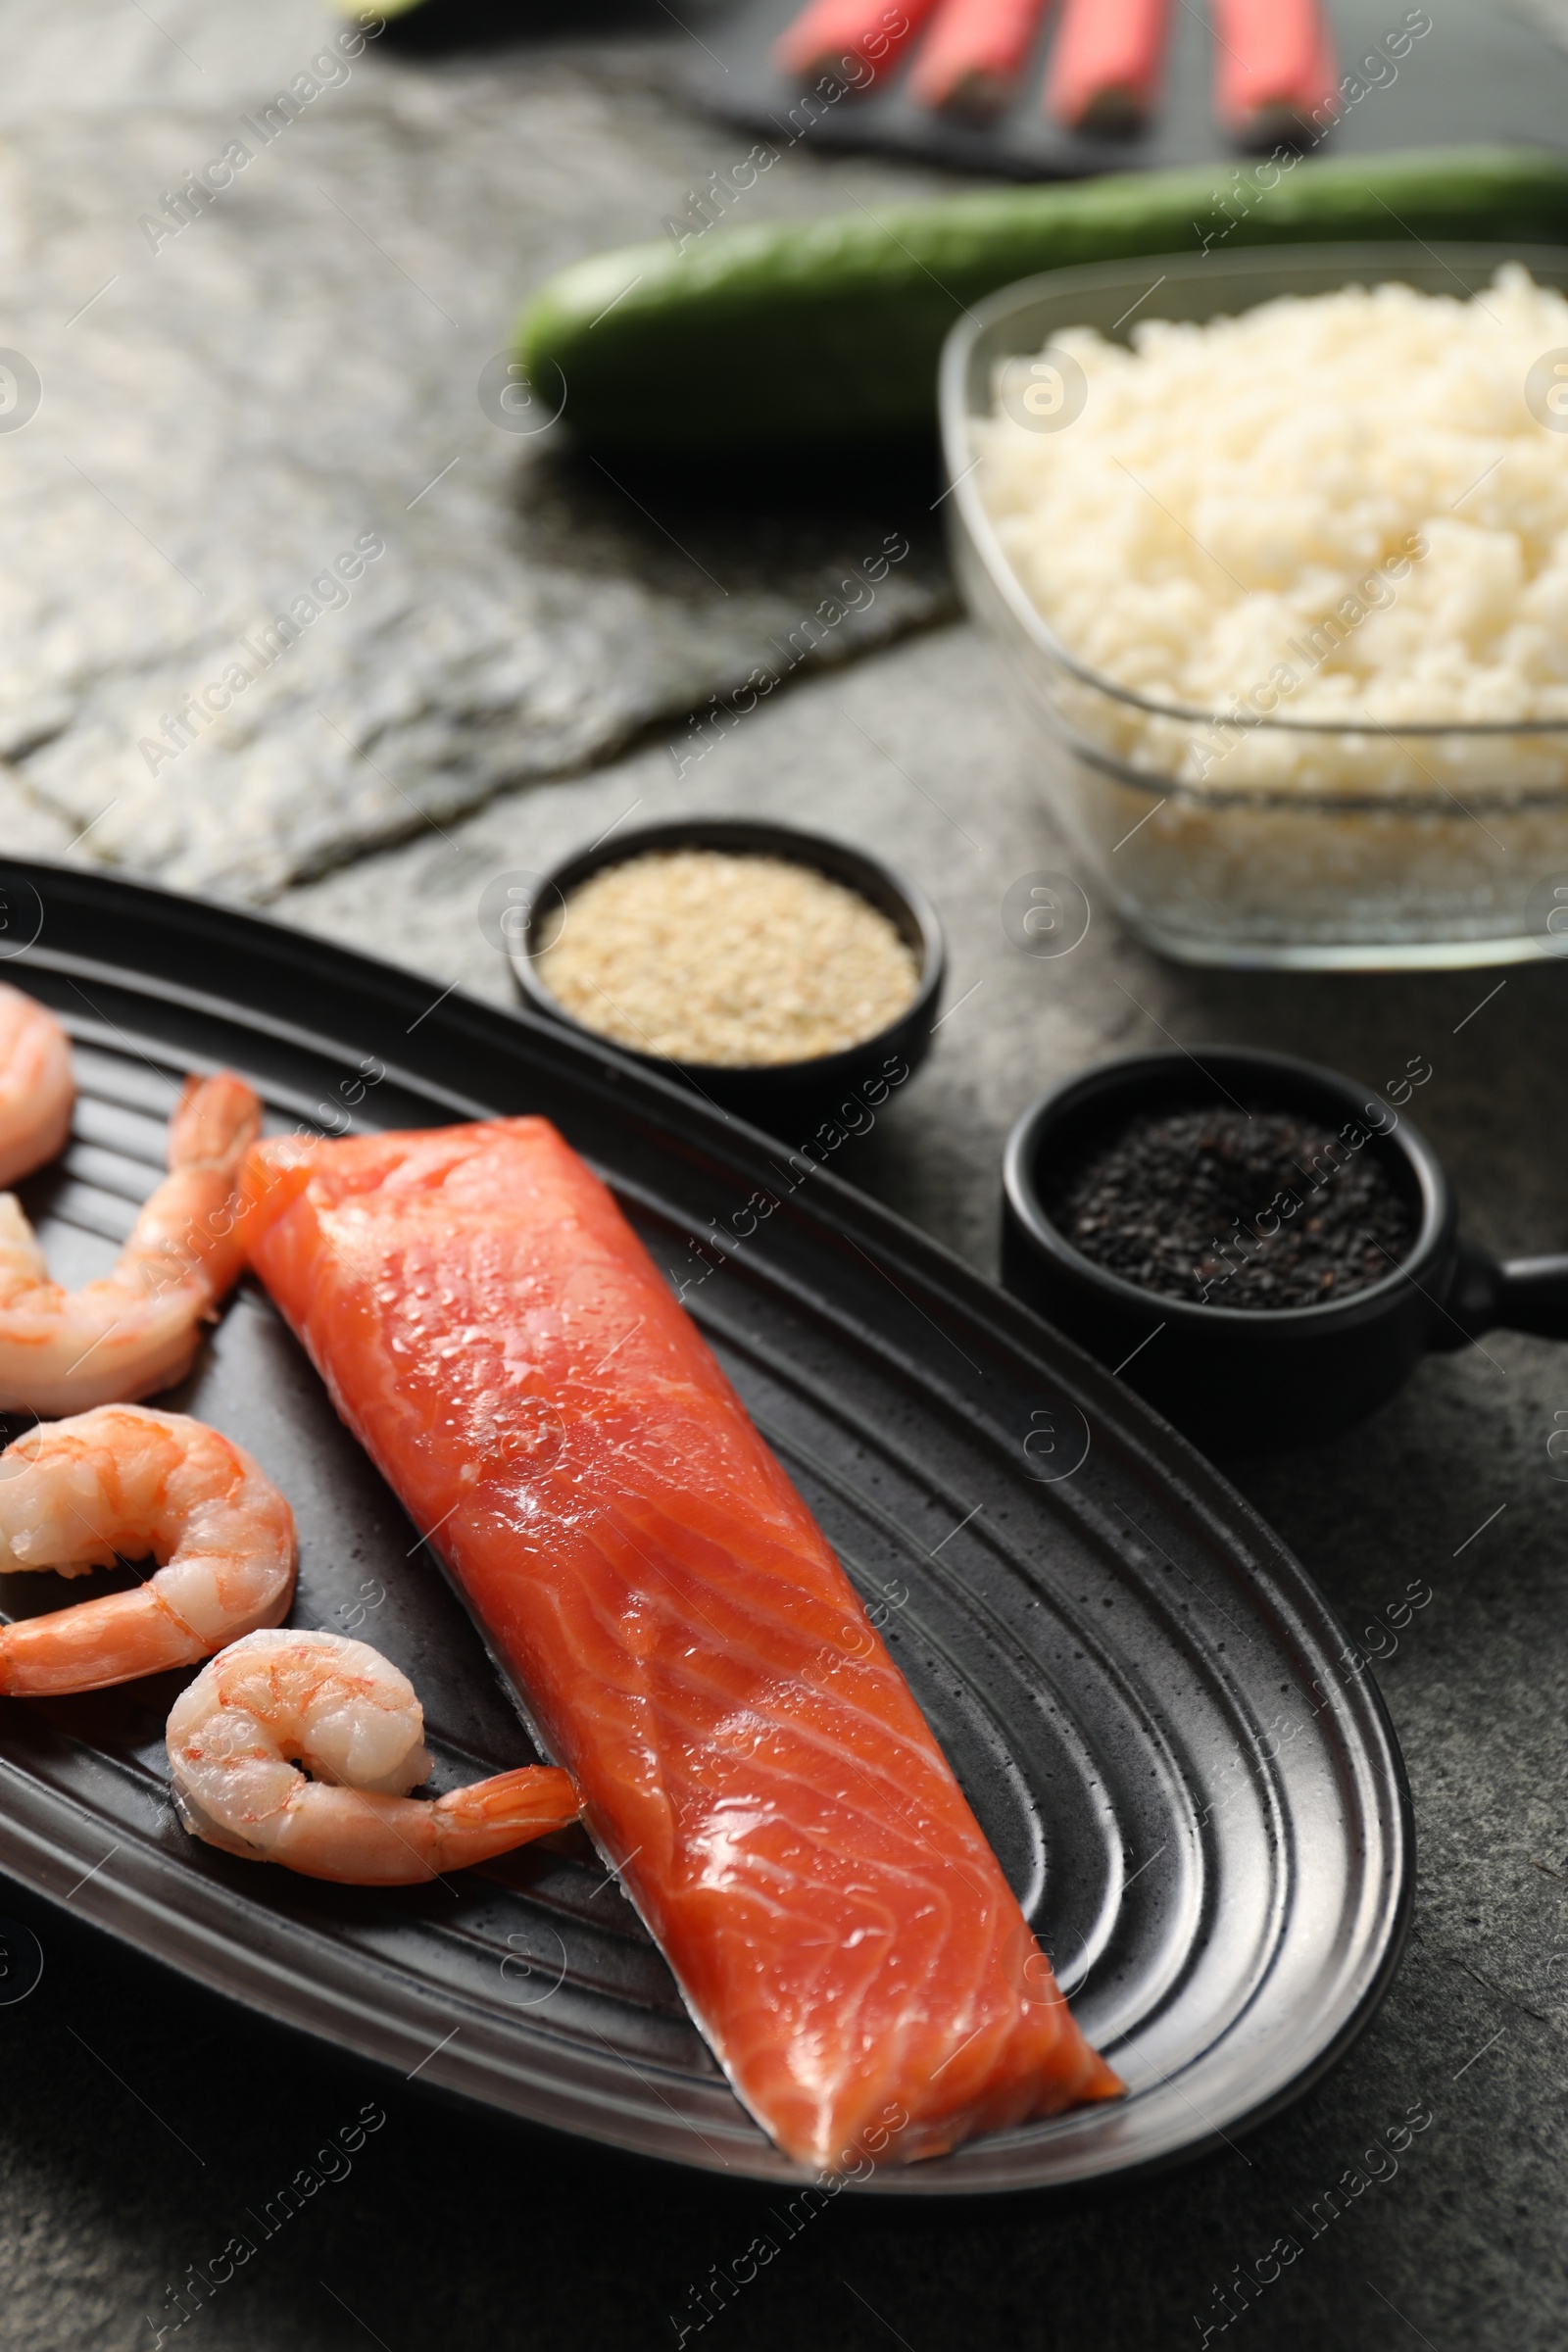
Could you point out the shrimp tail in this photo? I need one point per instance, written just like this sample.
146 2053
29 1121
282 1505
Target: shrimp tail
186 1233
493 1816
215 1123
115 1639
359 1838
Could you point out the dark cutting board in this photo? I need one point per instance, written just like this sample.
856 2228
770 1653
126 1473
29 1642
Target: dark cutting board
1483 73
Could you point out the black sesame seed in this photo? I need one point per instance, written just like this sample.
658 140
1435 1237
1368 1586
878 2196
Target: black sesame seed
1259 1210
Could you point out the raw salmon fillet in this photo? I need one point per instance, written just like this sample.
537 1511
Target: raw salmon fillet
749 1757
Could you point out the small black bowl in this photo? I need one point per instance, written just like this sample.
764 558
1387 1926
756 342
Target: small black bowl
787 1097
1260 1379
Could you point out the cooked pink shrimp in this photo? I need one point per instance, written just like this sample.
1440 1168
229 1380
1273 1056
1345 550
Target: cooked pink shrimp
126 1482
37 1088
136 1331
352 1719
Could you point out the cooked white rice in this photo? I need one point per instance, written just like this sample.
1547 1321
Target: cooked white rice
1337 507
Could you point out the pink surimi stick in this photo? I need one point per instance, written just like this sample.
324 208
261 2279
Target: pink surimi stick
830 34
974 54
1274 66
1104 71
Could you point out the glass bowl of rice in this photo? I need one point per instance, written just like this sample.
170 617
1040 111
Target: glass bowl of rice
1275 545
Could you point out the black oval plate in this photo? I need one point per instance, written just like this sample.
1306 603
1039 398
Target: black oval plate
1196 1795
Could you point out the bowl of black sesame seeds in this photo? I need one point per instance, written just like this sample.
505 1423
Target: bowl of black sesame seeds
1262 1248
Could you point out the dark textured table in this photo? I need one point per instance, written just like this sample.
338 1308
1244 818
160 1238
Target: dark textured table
1414 2197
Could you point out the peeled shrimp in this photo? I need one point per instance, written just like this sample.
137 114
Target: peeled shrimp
37 1088
136 1331
352 1719
125 1482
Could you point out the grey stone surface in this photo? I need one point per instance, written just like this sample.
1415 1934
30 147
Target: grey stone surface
916 753
139 2118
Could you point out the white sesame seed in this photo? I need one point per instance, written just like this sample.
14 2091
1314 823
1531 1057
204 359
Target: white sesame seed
727 962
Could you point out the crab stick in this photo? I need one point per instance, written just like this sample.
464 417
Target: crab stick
829 35
1104 70
974 53
1274 66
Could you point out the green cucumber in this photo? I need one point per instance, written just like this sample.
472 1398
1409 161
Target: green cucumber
827 329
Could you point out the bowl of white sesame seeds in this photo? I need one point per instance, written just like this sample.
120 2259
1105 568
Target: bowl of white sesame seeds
787 977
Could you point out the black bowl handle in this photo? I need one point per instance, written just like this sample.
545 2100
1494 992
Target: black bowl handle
1512 1294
